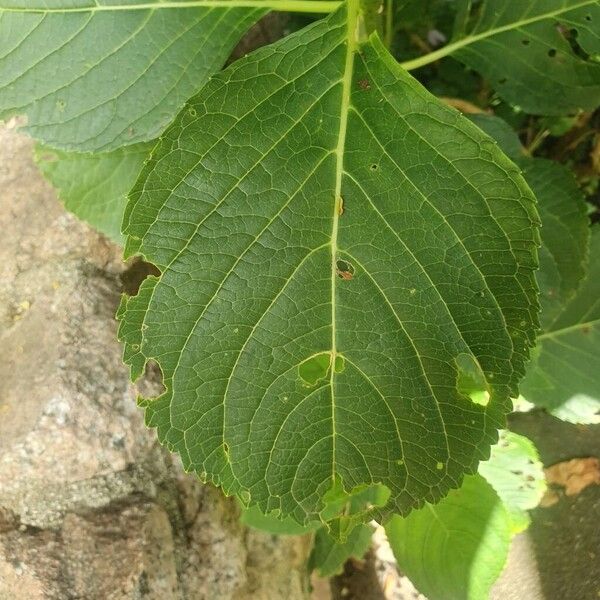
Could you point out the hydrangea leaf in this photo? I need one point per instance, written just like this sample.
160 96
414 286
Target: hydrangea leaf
93 75
540 55
515 471
336 246
456 549
94 186
564 377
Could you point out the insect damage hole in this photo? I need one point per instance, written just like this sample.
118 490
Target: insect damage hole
344 270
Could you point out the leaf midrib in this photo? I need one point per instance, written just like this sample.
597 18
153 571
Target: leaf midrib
415 63
351 46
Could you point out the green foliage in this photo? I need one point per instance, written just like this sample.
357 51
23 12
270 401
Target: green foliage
540 55
346 299
338 210
329 555
563 212
564 376
514 470
94 186
91 76
456 549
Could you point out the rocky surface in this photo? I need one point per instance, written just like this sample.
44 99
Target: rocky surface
90 506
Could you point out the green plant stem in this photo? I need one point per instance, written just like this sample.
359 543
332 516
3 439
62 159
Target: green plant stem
416 63
389 24
298 6
537 140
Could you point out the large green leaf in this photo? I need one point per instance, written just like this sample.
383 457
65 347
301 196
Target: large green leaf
97 74
456 549
541 55
565 228
94 186
564 376
339 253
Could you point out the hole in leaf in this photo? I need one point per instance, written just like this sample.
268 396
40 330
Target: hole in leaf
552 52
315 368
588 17
525 42
150 386
344 269
374 167
471 380
133 277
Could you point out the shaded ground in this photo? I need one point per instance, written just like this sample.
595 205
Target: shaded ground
564 539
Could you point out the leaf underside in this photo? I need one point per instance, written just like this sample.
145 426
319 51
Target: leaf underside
96 80
336 248
540 55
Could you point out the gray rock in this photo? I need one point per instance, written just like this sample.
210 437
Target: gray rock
90 506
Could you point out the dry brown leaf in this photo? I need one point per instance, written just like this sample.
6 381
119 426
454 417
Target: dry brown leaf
574 475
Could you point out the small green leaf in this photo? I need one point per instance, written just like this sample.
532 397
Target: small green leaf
456 549
514 470
329 555
94 186
314 201
93 75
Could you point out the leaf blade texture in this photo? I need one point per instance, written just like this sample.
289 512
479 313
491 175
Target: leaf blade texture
95 80
336 246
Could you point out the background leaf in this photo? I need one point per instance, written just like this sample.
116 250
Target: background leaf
94 186
329 555
336 248
456 549
565 228
564 376
129 71
514 470
538 54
